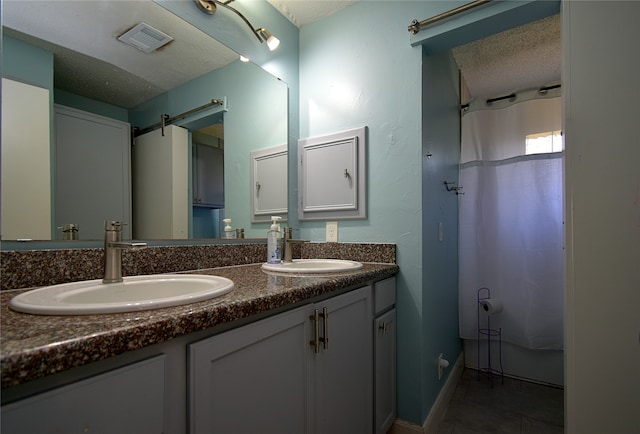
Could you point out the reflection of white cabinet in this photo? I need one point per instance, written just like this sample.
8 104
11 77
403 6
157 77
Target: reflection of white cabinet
160 178
269 177
208 176
26 162
126 400
331 176
266 377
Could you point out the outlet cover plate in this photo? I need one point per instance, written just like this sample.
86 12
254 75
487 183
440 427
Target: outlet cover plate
332 232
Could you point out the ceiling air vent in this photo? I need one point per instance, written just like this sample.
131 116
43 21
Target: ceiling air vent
145 38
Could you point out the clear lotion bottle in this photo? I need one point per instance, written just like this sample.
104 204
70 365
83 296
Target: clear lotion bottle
273 242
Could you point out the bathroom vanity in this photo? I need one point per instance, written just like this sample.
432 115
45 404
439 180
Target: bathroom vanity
280 353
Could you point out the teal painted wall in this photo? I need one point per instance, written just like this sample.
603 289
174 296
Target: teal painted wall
91 105
27 63
376 80
441 154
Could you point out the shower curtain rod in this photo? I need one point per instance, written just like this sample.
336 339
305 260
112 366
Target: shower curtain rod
416 25
512 96
166 120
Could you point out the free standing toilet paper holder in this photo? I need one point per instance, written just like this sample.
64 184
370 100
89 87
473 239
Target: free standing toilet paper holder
488 332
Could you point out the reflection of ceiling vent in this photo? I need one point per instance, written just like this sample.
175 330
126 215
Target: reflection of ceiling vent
145 38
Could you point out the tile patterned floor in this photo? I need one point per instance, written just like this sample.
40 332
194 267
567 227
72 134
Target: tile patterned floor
515 407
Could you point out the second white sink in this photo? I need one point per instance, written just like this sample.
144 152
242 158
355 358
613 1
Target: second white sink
313 266
132 294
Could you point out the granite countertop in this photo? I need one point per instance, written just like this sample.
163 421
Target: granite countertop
34 346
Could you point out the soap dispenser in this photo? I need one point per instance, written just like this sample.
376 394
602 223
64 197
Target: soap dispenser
228 231
273 242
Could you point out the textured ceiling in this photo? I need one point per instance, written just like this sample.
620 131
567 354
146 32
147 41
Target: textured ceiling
303 12
526 56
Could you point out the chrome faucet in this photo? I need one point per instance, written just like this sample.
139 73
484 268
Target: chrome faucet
287 246
113 246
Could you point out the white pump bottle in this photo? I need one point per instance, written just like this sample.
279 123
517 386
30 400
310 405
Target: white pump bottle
274 252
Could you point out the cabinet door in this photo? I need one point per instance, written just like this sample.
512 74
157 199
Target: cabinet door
209 176
332 176
269 192
342 372
251 379
126 400
384 329
93 172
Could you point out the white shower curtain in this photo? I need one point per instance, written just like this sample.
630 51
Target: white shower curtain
511 223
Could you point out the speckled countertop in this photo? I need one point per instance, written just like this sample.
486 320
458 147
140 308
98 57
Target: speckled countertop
34 346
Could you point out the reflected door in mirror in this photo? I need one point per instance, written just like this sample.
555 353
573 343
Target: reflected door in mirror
93 173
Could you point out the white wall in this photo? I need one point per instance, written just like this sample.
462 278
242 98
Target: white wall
602 319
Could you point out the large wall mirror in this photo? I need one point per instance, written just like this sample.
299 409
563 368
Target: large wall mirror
71 49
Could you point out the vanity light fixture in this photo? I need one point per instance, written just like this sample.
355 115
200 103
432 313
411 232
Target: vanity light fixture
263 35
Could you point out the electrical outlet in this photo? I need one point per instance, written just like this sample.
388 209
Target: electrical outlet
332 232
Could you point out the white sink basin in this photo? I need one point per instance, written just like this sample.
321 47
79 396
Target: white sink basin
313 266
132 294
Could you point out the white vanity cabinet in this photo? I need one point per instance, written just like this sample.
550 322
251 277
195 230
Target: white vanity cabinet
129 399
318 368
384 332
271 376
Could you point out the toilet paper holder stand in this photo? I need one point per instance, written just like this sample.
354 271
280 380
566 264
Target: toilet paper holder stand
488 333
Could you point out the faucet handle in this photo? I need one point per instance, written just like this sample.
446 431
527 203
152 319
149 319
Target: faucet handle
113 225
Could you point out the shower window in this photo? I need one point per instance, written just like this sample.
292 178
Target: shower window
544 143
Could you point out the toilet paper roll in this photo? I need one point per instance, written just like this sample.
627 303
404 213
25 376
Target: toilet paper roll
491 306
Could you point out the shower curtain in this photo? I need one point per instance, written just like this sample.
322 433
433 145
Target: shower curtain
511 222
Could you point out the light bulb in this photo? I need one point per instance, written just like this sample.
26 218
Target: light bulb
273 42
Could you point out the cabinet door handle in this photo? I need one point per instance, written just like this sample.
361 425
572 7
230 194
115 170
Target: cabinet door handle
383 328
315 343
325 328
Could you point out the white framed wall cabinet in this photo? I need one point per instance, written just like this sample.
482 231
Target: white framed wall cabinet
269 191
332 176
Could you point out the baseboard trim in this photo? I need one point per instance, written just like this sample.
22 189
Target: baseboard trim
439 408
